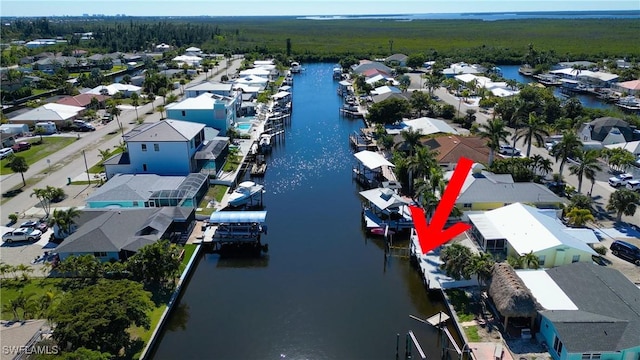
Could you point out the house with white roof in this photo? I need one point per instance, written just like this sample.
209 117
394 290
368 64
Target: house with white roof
218 112
57 113
125 89
518 229
222 89
499 89
423 125
632 147
260 71
193 50
162 148
385 90
253 80
587 311
462 68
190 60
163 47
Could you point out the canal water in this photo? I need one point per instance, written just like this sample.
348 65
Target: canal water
511 72
324 291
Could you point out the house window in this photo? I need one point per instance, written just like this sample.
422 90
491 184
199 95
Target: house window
100 254
184 113
557 345
541 260
144 167
575 258
590 356
156 147
144 147
467 206
135 204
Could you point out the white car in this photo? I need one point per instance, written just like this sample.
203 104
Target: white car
22 234
509 150
620 180
5 152
634 185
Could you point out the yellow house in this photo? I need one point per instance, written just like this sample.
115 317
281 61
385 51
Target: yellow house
519 229
483 190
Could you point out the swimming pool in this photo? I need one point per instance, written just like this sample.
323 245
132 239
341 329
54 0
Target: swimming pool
244 126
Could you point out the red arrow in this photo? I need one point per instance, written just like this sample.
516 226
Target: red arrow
433 235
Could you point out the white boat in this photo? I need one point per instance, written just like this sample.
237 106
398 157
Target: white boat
295 67
246 192
337 72
629 102
265 142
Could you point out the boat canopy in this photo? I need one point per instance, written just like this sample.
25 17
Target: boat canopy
384 199
372 160
238 217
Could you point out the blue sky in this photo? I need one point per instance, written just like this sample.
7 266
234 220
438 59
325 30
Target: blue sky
295 7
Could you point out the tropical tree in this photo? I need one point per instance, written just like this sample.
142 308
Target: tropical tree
566 148
411 139
161 108
420 163
587 165
623 201
494 132
456 260
388 111
98 316
432 82
183 82
534 128
44 196
135 102
40 131
580 201
530 260
155 263
104 155
64 220
482 265
18 164
163 93
579 217
419 102
618 159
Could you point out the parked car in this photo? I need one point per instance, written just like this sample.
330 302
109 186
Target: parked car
5 152
79 125
625 250
509 150
22 234
620 180
39 225
634 185
21 146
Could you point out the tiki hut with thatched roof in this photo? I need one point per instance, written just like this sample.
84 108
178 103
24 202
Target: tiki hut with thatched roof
510 295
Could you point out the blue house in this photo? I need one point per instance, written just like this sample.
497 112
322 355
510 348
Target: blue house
211 110
163 148
589 312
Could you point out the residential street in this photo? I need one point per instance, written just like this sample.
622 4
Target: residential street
601 190
69 161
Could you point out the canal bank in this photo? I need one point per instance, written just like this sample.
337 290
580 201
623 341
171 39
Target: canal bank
325 290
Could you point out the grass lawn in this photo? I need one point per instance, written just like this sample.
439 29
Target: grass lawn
144 334
11 288
49 146
215 192
189 249
98 168
232 163
461 303
472 333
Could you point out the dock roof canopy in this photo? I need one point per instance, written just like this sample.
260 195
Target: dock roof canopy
238 217
372 160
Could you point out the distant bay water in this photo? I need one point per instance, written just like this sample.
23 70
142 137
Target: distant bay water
490 16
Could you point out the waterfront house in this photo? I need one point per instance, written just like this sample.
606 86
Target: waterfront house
189 60
499 89
450 148
218 112
163 148
83 100
163 47
149 190
367 65
125 89
253 80
511 298
57 113
112 235
193 50
424 125
606 130
628 87
222 89
518 229
587 311
462 68
369 171
483 190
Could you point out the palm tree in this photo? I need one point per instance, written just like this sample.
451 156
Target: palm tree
135 102
19 164
44 196
411 139
623 201
579 217
587 166
482 265
533 129
456 259
420 163
566 148
494 131
432 82
64 219
531 260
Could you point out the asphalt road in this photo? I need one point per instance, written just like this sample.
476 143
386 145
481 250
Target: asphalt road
69 161
601 190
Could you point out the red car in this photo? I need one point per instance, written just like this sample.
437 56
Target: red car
21 146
